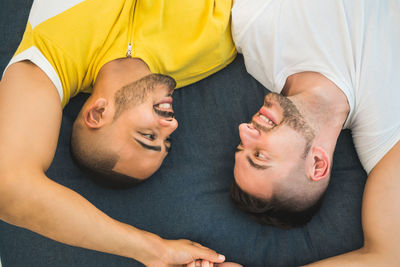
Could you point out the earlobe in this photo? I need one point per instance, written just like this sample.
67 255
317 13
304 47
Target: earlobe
321 164
94 116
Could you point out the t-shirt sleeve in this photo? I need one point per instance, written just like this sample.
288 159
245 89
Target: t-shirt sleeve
27 51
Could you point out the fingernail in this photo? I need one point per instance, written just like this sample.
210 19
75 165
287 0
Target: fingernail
221 257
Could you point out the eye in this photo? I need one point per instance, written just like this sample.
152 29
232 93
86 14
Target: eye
151 137
259 155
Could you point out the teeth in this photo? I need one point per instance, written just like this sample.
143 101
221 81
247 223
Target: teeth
165 105
266 120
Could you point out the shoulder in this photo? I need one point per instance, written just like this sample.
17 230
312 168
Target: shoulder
43 10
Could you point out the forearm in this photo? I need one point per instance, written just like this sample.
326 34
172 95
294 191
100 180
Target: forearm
56 212
361 257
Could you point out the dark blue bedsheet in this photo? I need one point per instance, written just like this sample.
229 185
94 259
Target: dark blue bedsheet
188 197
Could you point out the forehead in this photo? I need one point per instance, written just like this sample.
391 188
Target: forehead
138 162
263 183
253 183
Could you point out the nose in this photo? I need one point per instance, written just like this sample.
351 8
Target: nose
248 134
168 125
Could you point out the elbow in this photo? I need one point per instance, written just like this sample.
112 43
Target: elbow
15 193
8 196
381 255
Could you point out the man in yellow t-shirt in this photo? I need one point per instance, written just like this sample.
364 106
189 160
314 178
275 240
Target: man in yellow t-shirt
129 55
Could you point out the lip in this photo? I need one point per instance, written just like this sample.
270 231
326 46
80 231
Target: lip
260 124
267 113
165 100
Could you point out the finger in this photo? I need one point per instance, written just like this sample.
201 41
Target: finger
199 245
228 264
206 254
205 263
192 264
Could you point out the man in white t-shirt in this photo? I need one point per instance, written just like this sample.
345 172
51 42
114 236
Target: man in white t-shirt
121 52
331 65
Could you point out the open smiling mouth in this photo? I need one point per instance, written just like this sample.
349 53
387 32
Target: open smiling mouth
264 119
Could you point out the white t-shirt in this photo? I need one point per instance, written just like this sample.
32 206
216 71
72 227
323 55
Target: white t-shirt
354 43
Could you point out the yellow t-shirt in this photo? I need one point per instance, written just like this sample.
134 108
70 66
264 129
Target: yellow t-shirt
70 40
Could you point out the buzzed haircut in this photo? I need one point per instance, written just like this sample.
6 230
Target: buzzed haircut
277 211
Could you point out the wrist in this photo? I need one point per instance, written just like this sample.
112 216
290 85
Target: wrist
150 249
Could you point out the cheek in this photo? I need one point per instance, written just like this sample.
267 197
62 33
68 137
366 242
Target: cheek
141 116
285 144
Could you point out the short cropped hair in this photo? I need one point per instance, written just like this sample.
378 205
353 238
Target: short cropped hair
99 166
279 211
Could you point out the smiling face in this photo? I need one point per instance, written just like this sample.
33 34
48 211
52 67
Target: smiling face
121 135
142 125
273 147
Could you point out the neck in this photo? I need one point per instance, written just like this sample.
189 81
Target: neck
112 77
322 103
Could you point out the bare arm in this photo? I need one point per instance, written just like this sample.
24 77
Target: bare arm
30 118
380 218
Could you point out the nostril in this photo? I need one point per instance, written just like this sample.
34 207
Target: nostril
250 126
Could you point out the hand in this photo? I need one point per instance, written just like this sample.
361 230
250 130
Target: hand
181 252
204 263
228 264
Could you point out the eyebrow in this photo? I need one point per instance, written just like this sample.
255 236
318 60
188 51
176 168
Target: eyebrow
255 165
150 147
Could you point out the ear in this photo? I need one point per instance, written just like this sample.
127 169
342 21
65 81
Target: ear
94 116
320 164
